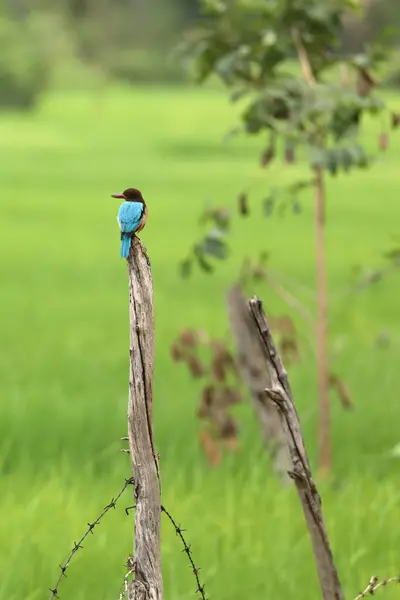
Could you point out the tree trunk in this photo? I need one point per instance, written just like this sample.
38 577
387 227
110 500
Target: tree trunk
324 425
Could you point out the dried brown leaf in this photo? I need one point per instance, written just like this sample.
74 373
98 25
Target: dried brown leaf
196 367
259 273
208 395
283 324
344 395
232 443
289 349
189 338
207 402
267 155
210 448
177 352
218 369
395 120
229 396
365 82
229 427
243 204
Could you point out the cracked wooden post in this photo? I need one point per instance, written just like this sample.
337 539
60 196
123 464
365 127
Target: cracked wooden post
254 371
280 393
147 584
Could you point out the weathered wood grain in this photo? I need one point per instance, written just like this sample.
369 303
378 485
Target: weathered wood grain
253 367
147 584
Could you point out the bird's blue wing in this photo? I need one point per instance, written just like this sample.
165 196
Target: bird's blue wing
129 216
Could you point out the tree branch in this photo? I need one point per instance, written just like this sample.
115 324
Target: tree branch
292 301
303 57
374 585
280 394
147 584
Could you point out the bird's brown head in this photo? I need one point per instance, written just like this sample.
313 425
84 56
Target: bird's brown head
130 195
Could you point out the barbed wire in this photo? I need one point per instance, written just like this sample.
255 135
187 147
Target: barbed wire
130 564
374 585
186 548
78 545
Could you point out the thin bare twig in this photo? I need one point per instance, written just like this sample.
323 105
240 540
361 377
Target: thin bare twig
303 57
78 545
367 281
186 548
374 585
292 301
293 283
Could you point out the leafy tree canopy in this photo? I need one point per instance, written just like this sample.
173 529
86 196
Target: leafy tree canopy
251 46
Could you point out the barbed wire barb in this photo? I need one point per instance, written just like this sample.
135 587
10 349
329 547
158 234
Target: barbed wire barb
187 549
78 545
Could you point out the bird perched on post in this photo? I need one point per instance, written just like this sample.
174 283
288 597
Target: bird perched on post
132 217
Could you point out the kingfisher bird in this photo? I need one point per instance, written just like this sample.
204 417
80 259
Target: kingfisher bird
132 217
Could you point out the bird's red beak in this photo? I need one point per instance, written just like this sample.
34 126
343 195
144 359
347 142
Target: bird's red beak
117 196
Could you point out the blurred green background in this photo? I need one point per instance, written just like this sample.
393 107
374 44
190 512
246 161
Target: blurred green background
91 103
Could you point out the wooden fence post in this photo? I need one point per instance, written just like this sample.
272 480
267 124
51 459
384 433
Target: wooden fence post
147 583
253 367
279 392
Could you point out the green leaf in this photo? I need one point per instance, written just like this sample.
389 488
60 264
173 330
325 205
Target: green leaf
318 157
299 186
296 207
269 204
395 120
281 208
223 218
214 7
289 154
359 156
186 268
332 161
393 255
345 159
220 216
227 66
238 94
268 154
269 38
345 121
232 133
243 203
203 263
395 451
214 244
361 60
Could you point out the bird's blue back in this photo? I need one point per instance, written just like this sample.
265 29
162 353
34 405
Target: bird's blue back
129 216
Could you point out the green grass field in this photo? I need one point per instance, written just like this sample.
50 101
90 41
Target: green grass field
64 353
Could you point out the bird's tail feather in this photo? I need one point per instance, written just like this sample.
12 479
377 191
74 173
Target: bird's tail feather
125 245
